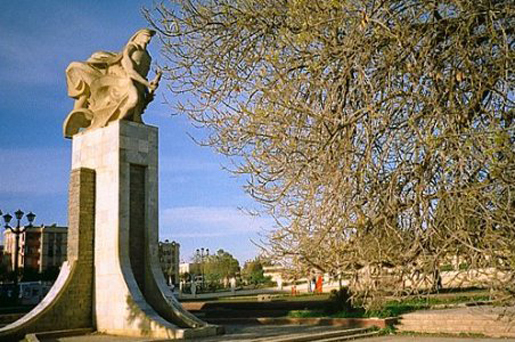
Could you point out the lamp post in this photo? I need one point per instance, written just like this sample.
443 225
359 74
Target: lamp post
201 254
17 231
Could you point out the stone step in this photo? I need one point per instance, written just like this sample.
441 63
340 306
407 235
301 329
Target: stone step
349 337
448 323
446 327
487 327
323 336
489 331
462 320
486 320
54 335
473 323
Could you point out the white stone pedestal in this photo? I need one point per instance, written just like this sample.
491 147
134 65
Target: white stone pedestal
130 293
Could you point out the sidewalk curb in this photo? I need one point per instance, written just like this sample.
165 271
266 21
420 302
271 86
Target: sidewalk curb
36 337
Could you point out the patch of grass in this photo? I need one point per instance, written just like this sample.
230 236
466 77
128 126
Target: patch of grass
461 335
428 302
397 308
357 313
389 330
446 267
463 266
276 297
305 297
391 308
362 313
306 314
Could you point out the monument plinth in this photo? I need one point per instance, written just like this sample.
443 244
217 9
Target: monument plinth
131 296
112 280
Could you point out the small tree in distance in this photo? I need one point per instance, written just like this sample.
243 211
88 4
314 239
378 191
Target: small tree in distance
253 272
220 267
379 134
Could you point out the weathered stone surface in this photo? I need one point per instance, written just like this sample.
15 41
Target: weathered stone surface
489 321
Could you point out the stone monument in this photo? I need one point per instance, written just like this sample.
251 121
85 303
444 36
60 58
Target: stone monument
112 281
111 86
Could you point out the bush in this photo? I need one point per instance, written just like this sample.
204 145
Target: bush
446 268
463 266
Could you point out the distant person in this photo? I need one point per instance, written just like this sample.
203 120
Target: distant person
319 283
233 284
194 288
294 290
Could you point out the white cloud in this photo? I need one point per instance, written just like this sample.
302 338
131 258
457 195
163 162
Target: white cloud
198 221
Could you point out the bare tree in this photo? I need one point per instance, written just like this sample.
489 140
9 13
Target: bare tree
379 134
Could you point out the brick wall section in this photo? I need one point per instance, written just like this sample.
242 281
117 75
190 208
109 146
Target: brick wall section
81 216
81 228
69 304
74 307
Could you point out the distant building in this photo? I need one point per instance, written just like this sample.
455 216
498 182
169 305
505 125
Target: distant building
169 260
41 248
189 267
275 273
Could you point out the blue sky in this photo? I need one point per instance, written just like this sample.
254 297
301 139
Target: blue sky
198 200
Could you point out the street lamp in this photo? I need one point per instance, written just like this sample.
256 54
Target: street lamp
200 256
17 231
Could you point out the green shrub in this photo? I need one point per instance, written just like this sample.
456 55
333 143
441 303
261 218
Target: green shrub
306 313
446 268
463 266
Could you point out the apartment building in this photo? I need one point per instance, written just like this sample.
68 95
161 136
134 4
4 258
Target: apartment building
40 248
169 260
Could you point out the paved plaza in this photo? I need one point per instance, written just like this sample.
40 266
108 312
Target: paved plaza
407 338
240 333
255 333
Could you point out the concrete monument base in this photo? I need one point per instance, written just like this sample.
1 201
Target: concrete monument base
112 280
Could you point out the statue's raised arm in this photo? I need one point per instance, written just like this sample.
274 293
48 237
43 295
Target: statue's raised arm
111 86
